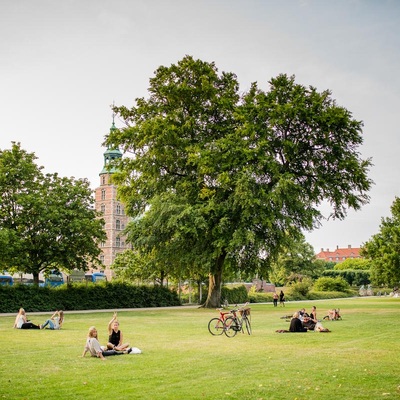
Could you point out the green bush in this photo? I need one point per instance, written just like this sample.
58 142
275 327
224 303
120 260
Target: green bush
299 290
353 277
257 297
235 295
85 296
326 284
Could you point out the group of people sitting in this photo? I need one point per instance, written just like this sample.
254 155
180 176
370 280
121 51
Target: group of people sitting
303 322
115 344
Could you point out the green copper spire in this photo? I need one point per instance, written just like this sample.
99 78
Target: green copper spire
110 155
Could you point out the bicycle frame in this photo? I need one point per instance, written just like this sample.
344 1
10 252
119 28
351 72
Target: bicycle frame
216 326
235 323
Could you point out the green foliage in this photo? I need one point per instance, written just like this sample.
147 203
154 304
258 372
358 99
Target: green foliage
324 284
352 277
300 290
295 261
353 264
235 295
217 178
383 249
46 221
84 296
324 265
257 297
177 350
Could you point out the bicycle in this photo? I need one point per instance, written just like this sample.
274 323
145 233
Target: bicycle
235 323
216 325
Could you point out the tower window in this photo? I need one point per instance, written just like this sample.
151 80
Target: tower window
103 194
118 224
103 180
118 242
103 208
118 209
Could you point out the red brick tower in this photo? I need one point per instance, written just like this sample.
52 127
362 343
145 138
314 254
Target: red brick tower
112 210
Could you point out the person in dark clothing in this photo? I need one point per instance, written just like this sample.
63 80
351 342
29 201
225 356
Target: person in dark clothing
115 337
311 321
295 324
282 298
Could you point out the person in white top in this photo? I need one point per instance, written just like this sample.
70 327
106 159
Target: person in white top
55 322
21 321
95 349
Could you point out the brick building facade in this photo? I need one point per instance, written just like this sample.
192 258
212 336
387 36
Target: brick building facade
339 254
113 212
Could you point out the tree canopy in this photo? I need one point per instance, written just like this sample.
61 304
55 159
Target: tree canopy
46 221
226 176
294 262
354 264
383 249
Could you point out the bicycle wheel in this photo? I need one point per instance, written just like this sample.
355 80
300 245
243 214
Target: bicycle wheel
248 325
216 326
231 327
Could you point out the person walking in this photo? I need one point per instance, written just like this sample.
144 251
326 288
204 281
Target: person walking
275 298
282 299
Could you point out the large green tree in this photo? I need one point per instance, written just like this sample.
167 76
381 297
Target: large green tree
46 221
237 174
383 249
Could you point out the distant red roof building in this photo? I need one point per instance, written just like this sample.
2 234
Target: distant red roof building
339 255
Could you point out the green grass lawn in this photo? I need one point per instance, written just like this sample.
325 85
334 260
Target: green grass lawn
358 359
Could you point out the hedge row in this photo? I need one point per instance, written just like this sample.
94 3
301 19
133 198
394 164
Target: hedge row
352 277
236 295
84 297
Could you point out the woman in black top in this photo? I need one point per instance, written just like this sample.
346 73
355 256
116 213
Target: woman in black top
282 298
115 337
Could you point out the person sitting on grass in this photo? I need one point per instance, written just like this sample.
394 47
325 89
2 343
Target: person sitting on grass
310 322
115 337
55 322
333 315
302 314
21 321
295 324
93 346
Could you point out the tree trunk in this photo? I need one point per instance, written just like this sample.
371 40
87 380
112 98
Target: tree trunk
36 278
215 282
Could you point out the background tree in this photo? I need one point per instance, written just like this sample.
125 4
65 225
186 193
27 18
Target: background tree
51 219
294 262
383 249
238 175
354 264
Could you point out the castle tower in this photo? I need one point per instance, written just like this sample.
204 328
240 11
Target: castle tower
112 210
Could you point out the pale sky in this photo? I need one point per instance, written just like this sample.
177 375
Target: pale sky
63 63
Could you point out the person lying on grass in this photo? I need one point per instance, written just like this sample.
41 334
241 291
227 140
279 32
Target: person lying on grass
55 322
93 346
